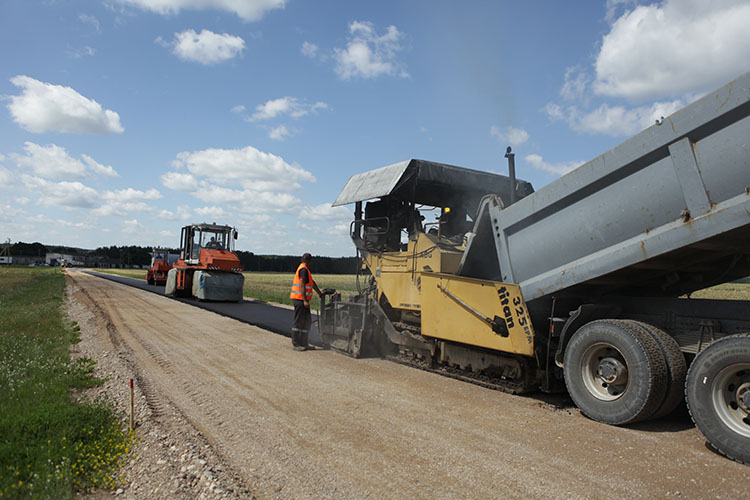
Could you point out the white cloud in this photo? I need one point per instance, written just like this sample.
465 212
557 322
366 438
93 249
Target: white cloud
325 212
98 167
247 200
51 161
576 84
132 226
537 162
54 162
130 194
180 182
92 21
122 208
82 52
290 106
674 47
6 178
66 194
613 120
510 135
247 10
279 133
238 109
211 212
183 213
369 55
248 168
309 49
205 47
43 107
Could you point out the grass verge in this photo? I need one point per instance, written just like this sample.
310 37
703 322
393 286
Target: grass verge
50 445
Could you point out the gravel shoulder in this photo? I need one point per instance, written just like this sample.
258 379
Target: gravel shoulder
228 410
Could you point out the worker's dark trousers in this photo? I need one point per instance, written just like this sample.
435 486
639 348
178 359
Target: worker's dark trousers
302 323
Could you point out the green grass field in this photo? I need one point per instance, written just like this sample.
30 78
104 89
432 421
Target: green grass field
50 444
271 287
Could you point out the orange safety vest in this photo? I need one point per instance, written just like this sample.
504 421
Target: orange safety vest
297 285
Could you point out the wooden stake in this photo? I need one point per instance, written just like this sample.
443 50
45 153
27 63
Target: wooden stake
132 407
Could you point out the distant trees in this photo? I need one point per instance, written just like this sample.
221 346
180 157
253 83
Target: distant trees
133 255
35 249
289 263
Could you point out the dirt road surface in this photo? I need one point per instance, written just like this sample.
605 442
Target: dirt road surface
317 424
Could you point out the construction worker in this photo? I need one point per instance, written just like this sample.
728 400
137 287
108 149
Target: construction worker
301 295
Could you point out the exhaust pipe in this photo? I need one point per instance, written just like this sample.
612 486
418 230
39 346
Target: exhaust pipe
511 173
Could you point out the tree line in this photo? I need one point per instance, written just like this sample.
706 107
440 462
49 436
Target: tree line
134 255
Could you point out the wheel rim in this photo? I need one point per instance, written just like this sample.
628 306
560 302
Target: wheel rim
604 371
731 397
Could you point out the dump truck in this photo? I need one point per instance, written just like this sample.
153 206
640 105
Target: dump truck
207 268
584 285
161 263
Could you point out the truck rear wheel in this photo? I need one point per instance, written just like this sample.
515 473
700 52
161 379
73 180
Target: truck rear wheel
615 372
676 369
718 395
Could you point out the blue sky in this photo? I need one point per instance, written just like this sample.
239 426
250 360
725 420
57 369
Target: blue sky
123 120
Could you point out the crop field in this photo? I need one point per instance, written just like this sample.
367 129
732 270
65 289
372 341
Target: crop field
272 287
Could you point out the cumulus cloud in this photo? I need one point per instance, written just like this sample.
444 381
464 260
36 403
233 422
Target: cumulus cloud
205 47
130 194
65 193
368 54
510 135
537 162
655 59
44 107
674 47
247 10
613 120
183 212
238 109
54 162
279 133
325 212
248 167
180 182
249 180
211 212
99 168
51 161
285 106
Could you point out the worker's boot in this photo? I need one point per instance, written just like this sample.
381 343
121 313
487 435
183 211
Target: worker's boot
303 340
297 340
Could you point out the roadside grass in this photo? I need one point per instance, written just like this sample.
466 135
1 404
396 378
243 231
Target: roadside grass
275 287
125 273
50 445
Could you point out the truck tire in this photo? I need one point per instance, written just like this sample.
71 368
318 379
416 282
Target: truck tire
676 369
615 372
718 395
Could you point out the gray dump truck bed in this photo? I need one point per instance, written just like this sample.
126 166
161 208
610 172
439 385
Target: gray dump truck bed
665 213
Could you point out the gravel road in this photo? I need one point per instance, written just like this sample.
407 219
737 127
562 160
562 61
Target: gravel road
226 409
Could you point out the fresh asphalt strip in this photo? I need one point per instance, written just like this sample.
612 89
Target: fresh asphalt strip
254 312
